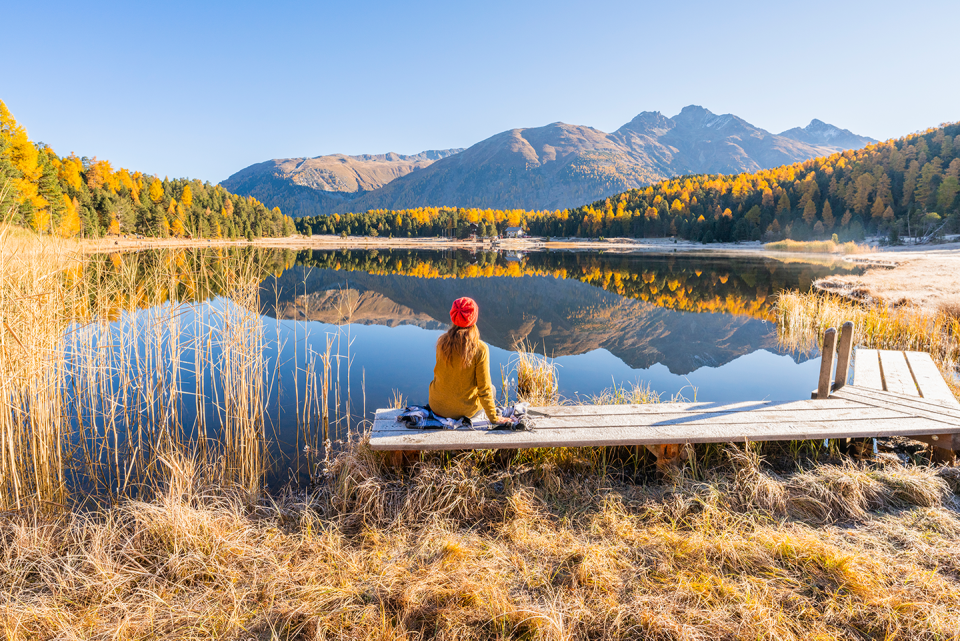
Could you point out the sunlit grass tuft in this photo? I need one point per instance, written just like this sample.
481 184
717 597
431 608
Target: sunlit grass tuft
536 377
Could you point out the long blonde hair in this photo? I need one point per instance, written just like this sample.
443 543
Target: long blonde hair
459 343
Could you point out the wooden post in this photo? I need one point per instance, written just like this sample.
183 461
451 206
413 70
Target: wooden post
670 455
844 351
826 362
401 459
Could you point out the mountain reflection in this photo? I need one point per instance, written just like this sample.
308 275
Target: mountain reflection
682 310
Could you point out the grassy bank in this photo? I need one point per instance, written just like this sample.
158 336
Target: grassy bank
818 247
467 551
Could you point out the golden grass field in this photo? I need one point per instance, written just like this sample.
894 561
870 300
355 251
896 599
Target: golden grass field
460 550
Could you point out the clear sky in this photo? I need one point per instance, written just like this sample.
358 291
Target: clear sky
203 89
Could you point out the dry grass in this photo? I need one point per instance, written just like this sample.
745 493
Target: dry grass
819 247
538 552
636 393
33 319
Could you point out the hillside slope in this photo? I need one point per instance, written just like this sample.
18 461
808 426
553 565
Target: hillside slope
554 166
304 185
907 186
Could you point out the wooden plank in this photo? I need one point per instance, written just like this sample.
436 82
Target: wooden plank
693 420
626 415
866 395
651 435
948 416
660 408
844 350
896 373
826 363
928 378
866 369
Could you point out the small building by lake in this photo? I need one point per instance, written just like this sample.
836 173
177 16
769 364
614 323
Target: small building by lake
513 232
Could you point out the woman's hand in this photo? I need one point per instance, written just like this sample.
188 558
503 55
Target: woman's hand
503 420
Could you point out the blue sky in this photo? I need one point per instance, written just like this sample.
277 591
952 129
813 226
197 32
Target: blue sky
203 89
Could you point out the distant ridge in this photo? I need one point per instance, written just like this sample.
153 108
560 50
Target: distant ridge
820 133
555 166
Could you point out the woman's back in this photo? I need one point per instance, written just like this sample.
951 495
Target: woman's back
463 390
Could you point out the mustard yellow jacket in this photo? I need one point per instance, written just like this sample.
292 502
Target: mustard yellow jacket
457 391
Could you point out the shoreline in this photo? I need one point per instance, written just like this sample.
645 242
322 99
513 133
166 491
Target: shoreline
925 276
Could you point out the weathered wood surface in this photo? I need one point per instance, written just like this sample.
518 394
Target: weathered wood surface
646 435
791 413
866 369
850 416
915 406
844 351
826 363
896 373
928 378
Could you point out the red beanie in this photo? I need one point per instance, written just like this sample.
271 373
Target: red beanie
464 312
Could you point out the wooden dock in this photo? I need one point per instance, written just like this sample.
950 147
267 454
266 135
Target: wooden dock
893 394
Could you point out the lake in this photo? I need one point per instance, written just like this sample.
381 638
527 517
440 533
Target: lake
351 330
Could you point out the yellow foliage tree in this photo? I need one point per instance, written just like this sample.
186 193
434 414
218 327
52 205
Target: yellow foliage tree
41 219
70 171
70 223
177 228
186 197
156 191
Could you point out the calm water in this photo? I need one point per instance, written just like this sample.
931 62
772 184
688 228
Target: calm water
699 325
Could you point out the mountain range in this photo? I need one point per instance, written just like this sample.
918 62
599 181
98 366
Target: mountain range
550 167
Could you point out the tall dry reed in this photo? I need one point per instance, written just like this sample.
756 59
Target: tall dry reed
536 376
113 365
34 314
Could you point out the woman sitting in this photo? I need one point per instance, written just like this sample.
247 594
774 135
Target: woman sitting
461 384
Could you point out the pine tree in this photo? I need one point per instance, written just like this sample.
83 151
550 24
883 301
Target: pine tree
828 220
784 205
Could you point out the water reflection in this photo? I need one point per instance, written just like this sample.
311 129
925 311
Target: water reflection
681 311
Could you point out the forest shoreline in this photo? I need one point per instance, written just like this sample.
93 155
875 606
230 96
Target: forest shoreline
922 275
